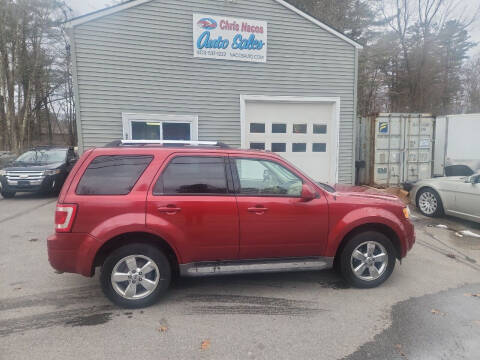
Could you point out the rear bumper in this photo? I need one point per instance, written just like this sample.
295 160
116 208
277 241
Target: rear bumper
409 237
72 252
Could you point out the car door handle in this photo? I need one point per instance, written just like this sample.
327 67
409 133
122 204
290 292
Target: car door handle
169 209
257 209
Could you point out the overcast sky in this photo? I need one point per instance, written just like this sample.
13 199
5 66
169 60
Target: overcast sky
81 7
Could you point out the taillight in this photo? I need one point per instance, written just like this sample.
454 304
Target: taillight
64 216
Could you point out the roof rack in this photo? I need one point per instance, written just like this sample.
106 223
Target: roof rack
173 143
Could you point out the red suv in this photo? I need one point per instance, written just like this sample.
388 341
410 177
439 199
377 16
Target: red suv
146 212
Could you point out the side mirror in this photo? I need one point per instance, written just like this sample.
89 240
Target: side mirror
475 179
308 194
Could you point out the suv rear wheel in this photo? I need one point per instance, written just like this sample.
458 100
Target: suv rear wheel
367 260
135 275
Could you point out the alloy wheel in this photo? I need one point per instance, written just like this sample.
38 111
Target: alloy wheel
369 260
135 277
427 202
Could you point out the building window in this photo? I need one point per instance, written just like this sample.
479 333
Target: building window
257 146
142 130
279 128
193 175
299 147
257 128
137 126
299 128
319 129
279 147
319 147
175 131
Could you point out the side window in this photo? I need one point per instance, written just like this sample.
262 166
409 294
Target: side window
266 178
193 175
112 174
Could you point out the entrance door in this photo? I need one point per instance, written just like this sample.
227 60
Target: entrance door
467 198
274 221
193 203
303 132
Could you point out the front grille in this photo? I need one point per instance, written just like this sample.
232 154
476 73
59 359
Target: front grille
25 175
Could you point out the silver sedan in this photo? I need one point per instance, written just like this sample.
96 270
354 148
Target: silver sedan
455 195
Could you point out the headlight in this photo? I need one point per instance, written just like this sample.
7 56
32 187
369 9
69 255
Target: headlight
3 172
406 212
52 172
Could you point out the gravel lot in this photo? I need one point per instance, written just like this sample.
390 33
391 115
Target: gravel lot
428 309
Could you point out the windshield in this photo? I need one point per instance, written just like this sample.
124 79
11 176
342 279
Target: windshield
43 156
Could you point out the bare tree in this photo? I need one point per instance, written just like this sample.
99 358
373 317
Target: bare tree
471 85
32 70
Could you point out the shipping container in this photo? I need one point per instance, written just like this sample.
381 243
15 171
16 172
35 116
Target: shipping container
394 149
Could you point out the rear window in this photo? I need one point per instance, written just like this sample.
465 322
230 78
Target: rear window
113 174
193 175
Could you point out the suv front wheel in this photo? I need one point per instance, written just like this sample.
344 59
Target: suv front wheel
135 275
367 260
7 194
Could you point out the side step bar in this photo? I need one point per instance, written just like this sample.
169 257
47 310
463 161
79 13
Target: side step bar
208 268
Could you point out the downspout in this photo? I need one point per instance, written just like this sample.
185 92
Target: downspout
78 119
354 130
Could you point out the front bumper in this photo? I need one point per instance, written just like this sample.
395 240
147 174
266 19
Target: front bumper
47 183
410 236
72 252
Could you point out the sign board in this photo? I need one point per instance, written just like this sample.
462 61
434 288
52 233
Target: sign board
227 38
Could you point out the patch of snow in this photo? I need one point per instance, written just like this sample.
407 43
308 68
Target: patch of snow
469 233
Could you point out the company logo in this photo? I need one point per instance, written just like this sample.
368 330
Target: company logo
207 24
383 127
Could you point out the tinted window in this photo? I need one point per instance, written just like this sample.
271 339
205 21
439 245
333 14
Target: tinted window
262 177
257 128
257 146
279 128
319 147
193 175
319 129
279 147
299 128
112 175
299 147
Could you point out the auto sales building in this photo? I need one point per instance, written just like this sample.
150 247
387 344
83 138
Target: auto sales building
250 73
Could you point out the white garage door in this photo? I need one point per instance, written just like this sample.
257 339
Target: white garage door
303 132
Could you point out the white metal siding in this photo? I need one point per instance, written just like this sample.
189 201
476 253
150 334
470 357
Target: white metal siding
140 60
456 141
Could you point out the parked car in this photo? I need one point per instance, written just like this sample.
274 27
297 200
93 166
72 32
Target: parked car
41 169
454 195
147 212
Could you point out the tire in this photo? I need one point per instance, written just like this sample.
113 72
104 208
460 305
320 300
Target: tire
119 261
57 187
429 202
367 278
8 194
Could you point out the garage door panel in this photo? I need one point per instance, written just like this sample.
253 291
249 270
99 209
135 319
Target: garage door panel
301 132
